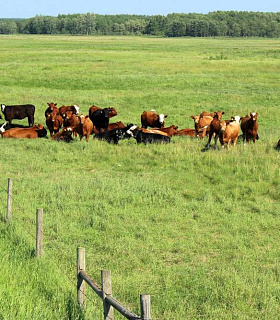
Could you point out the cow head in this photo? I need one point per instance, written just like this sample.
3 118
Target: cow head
131 130
218 114
254 116
52 105
161 118
223 126
2 128
236 119
112 112
105 112
3 107
82 118
195 118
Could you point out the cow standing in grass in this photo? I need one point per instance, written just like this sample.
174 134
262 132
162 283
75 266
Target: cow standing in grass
19 112
249 127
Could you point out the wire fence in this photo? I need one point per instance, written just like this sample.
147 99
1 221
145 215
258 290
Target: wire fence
109 303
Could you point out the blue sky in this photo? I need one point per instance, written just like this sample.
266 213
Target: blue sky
31 8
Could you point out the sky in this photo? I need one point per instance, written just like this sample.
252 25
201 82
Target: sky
31 8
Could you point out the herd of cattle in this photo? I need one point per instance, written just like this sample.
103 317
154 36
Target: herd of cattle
65 123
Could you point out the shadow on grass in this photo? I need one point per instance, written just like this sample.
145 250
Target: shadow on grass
210 148
73 309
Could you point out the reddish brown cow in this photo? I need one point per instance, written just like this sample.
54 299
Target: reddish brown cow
116 125
152 119
249 127
74 108
34 132
202 124
52 107
71 120
112 111
205 113
54 122
85 127
215 128
64 135
172 130
189 132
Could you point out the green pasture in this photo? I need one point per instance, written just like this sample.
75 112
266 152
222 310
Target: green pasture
198 231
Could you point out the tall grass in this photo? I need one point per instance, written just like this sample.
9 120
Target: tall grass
196 230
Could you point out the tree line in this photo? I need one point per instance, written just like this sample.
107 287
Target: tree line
213 24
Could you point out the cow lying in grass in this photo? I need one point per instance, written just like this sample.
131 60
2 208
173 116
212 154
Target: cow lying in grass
114 135
148 136
37 131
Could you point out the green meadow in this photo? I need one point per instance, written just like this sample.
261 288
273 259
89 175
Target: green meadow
198 231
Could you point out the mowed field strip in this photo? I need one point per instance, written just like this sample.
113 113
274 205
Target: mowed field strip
198 231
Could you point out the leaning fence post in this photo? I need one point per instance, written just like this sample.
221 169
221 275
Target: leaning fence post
9 200
108 310
145 306
39 232
81 285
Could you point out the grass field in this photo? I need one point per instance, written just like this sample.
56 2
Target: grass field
198 231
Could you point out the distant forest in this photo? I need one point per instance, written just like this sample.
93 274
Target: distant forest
213 24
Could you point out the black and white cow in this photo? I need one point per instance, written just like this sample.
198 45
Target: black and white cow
19 112
147 137
114 135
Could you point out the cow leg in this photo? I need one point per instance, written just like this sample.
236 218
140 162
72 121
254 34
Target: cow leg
209 139
244 139
216 140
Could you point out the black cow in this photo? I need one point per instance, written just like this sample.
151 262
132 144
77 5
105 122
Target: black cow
100 119
114 135
146 137
19 112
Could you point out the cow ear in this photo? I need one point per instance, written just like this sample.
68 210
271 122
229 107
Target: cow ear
223 112
55 104
165 116
192 117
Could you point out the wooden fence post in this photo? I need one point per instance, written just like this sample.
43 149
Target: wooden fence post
145 306
39 233
108 310
9 200
81 285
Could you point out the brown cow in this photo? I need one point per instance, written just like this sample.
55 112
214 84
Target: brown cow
71 120
64 135
116 125
54 122
205 113
171 130
229 131
215 128
85 127
51 107
74 108
189 132
34 132
112 111
202 124
249 127
152 119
